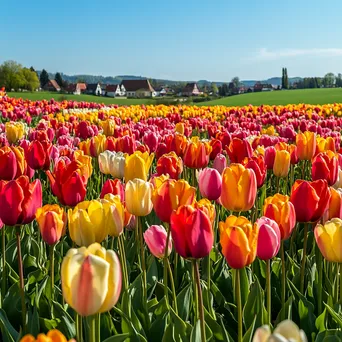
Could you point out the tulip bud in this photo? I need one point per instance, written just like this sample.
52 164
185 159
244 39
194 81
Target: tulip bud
155 238
210 183
91 279
220 163
52 222
268 239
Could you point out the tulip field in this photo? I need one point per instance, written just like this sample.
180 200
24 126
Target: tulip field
170 223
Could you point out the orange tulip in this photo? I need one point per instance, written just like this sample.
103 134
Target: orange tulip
306 145
239 188
196 155
335 206
239 241
170 194
51 336
280 209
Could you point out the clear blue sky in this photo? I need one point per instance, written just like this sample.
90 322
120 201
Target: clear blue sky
179 40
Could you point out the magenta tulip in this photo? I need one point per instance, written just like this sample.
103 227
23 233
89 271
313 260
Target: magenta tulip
220 163
269 238
210 183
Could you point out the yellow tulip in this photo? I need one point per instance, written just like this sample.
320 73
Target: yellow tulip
14 131
91 279
138 197
138 165
281 163
329 239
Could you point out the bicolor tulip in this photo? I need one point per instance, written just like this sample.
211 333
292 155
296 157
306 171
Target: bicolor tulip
196 155
239 188
281 210
210 183
155 237
138 165
338 183
257 164
329 239
12 162
268 239
325 144
281 163
335 205
238 150
310 199
239 239
205 205
52 336
19 200
285 331
306 145
14 131
51 222
325 166
91 279
170 164
93 146
192 232
38 154
168 195
112 163
138 197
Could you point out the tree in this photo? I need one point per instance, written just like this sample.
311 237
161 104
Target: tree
236 81
11 76
339 80
224 90
284 79
329 80
214 88
59 79
44 78
31 80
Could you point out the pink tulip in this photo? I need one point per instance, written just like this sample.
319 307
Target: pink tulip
155 237
210 183
270 153
269 238
220 163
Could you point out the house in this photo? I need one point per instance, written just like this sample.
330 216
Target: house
103 89
52 85
113 90
262 87
191 89
76 89
137 88
94 89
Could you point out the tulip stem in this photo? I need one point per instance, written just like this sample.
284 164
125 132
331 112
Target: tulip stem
52 269
21 280
174 296
283 280
166 251
142 259
92 328
341 283
79 327
200 300
238 303
4 278
319 267
302 269
123 261
268 286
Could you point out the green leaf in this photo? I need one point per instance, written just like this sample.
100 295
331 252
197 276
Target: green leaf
117 338
244 281
215 328
329 335
67 324
6 328
336 316
249 333
182 329
196 332
184 299
320 321
34 326
157 329
152 272
168 335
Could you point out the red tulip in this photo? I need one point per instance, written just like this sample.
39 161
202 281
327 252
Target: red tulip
38 155
257 164
114 187
192 232
325 166
270 153
19 200
310 199
238 150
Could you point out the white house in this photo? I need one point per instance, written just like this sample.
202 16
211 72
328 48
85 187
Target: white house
138 88
94 89
113 90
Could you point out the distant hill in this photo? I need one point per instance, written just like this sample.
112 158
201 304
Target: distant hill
117 79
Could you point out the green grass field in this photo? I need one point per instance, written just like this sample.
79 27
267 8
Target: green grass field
35 96
309 96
